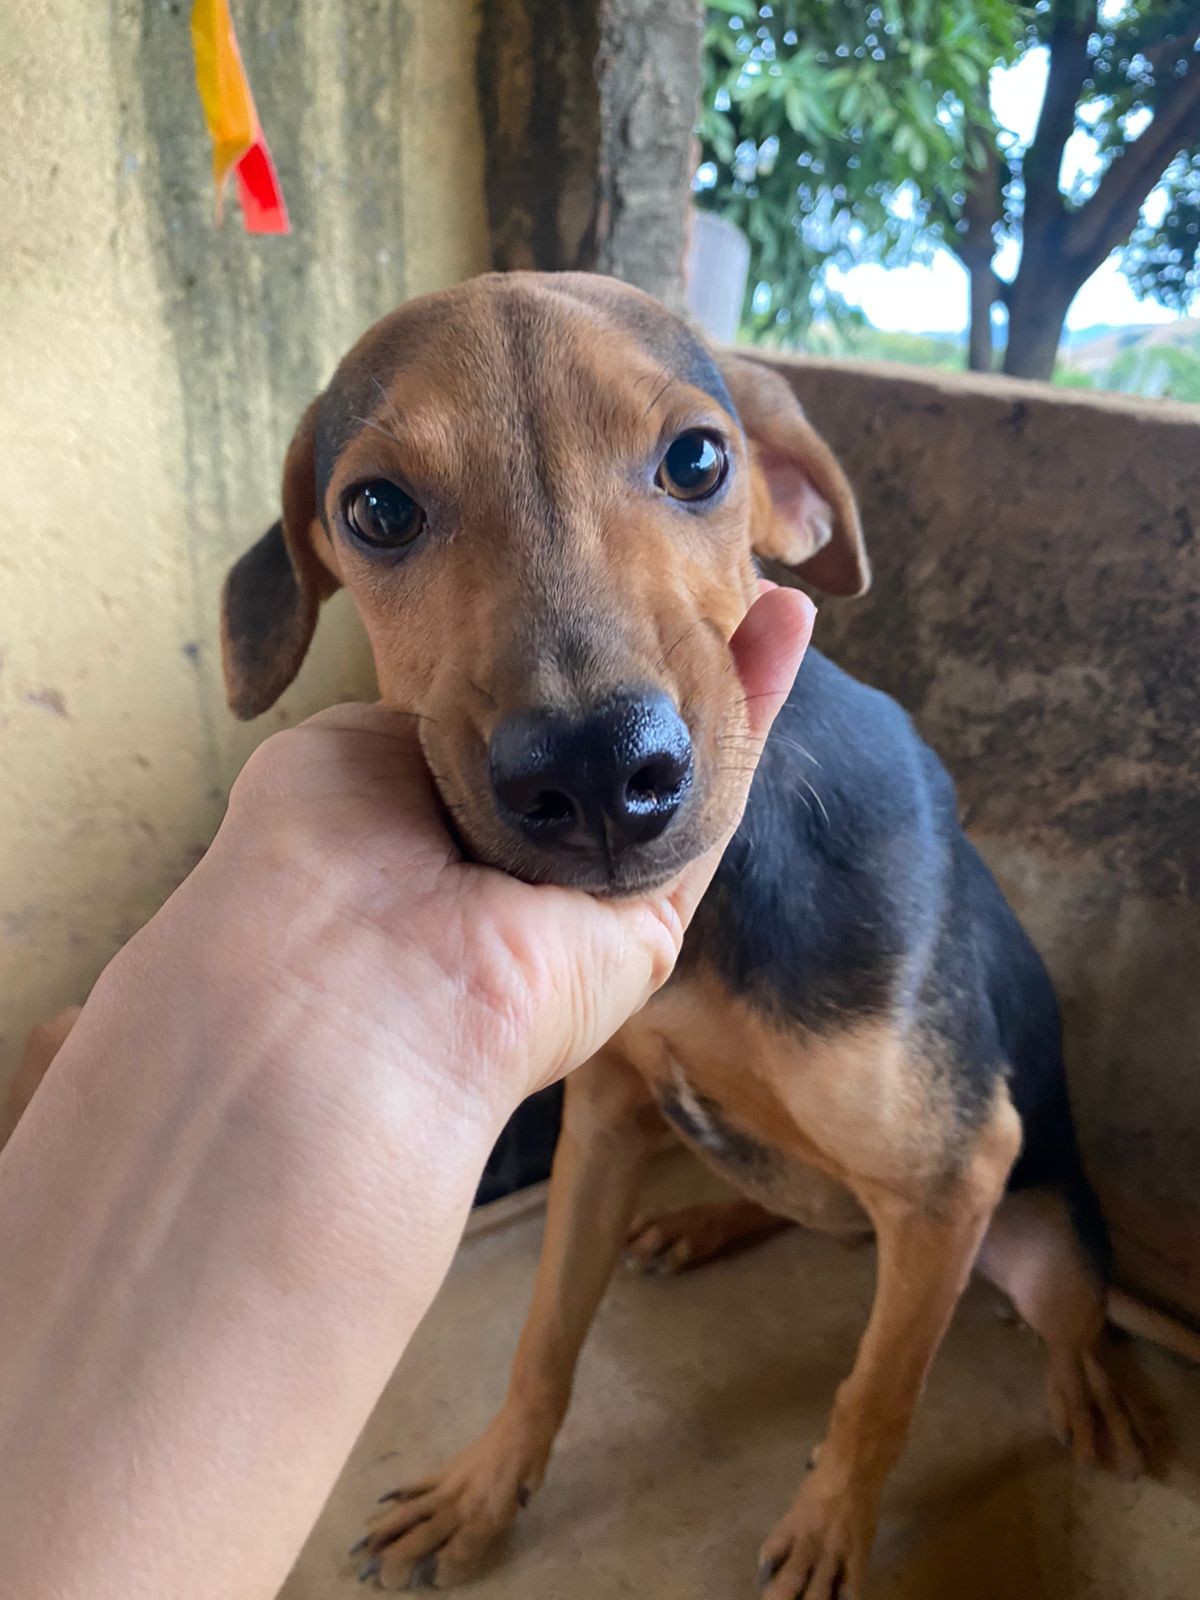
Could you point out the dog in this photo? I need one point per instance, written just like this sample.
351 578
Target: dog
547 497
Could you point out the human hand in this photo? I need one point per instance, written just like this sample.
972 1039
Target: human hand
398 942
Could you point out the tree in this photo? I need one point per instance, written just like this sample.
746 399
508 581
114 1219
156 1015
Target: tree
841 132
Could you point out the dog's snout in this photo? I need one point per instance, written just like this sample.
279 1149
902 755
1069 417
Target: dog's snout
602 782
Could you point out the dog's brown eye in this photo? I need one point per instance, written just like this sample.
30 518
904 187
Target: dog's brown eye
383 516
693 468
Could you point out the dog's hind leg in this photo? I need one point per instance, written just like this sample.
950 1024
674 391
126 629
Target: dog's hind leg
1035 1255
664 1242
435 1533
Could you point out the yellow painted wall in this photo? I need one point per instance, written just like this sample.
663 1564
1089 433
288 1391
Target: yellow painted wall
151 370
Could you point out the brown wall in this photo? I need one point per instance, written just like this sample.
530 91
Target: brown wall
1036 607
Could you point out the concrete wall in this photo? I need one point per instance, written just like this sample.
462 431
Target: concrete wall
1037 608
152 371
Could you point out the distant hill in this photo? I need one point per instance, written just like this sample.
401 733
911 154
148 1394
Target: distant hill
1096 350
1159 360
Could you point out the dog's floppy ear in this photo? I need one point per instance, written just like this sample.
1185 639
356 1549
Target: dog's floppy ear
804 514
271 597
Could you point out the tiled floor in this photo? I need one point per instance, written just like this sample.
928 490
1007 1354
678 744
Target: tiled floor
697 1401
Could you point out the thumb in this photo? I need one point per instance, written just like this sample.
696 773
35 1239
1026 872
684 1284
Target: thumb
767 648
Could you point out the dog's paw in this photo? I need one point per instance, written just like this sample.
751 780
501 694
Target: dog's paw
820 1549
1094 1412
435 1534
661 1243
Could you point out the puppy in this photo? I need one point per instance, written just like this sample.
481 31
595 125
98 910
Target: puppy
546 495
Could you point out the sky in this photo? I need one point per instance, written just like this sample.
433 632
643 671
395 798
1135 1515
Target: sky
933 298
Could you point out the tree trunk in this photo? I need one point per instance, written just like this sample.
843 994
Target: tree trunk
649 70
983 294
976 246
588 108
1037 310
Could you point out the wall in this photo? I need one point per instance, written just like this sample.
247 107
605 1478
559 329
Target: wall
1037 607
152 371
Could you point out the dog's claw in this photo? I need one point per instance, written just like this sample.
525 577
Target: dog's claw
524 1495
370 1572
398 1495
424 1573
768 1570
359 1544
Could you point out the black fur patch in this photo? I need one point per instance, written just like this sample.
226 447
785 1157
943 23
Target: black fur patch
824 894
850 892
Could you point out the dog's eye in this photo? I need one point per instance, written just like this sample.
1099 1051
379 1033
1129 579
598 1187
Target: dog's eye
383 516
693 468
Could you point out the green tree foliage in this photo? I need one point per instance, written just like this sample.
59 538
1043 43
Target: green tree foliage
841 132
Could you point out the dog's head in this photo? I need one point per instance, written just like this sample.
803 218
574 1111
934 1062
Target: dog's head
543 492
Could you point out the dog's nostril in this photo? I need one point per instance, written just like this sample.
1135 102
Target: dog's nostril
643 785
655 783
549 806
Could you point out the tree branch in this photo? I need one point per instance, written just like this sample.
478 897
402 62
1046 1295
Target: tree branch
1070 63
982 213
968 258
1108 218
1170 49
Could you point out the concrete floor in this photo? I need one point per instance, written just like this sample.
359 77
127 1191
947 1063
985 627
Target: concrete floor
696 1403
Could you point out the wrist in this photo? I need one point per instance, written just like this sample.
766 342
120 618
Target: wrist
272 981
355 1151
305 959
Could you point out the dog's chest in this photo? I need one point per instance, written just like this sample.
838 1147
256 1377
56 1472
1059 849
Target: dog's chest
801 1123
752 1161
789 1122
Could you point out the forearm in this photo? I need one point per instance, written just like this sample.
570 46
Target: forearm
247 1224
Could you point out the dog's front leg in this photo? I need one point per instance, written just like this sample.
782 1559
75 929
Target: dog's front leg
927 1243
436 1532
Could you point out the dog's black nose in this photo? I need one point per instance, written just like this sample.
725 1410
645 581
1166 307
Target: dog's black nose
611 779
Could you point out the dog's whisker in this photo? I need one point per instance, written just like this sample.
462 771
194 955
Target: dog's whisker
817 798
666 656
388 401
377 427
794 744
668 381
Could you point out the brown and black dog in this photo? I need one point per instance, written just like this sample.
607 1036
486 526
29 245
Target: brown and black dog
545 496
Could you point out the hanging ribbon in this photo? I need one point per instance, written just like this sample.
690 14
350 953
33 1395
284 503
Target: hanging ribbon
239 148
